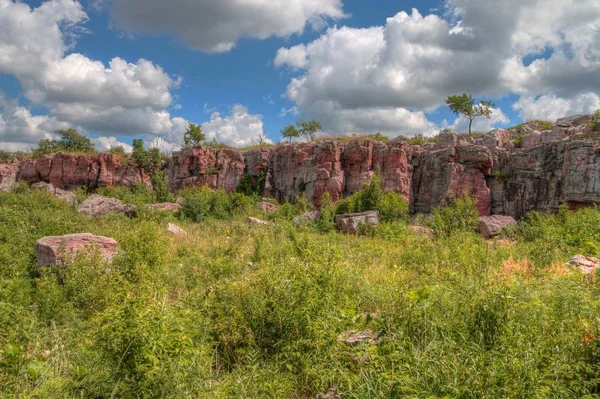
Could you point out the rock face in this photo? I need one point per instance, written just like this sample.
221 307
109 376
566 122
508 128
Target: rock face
491 226
350 223
68 171
551 167
97 205
57 192
57 250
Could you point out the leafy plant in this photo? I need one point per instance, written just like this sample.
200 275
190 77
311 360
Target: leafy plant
70 141
193 136
457 215
464 105
595 122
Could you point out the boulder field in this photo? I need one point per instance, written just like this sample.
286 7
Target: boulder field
508 173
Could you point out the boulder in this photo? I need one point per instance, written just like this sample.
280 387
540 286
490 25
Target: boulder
253 220
491 226
97 205
8 175
306 218
585 264
350 223
62 195
164 206
266 207
352 338
58 250
174 229
421 230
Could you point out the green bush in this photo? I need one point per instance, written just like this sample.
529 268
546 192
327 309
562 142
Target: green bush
160 186
326 222
459 214
138 195
201 203
595 122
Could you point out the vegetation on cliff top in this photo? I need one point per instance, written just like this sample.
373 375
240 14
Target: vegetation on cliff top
235 310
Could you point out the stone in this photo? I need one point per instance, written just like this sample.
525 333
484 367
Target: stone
532 139
164 206
421 230
306 218
253 220
266 207
350 223
574 120
491 226
57 250
352 338
97 205
586 264
8 175
62 195
174 229
331 393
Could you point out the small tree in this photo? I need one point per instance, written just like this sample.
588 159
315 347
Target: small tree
308 129
194 136
148 160
289 132
464 105
70 141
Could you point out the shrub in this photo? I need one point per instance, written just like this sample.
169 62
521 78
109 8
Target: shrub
70 141
327 221
595 122
200 203
459 214
252 185
138 195
160 186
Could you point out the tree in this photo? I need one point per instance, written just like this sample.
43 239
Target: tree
194 136
70 141
464 105
290 132
148 160
309 128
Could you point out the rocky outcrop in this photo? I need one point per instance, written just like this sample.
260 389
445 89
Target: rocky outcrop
585 264
507 172
69 171
491 226
62 195
97 205
351 223
58 250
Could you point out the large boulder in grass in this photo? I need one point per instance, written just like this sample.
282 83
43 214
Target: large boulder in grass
57 250
491 226
586 264
164 206
350 223
60 194
97 205
253 220
266 207
306 218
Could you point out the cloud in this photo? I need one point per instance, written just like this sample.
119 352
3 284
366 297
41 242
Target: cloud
216 26
408 66
118 98
552 107
238 129
104 143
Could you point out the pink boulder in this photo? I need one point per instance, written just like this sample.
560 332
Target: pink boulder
57 250
491 226
266 207
350 223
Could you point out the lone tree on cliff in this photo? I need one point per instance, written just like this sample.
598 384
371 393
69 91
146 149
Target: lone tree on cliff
307 129
193 136
70 141
464 105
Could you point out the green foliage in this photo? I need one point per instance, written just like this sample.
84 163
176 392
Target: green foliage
193 136
309 129
419 139
117 150
201 203
541 125
231 310
458 215
252 185
595 122
391 206
6 156
70 141
327 221
518 140
290 132
160 186
464 105
149 160
138 195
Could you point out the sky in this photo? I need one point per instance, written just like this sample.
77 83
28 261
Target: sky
123 69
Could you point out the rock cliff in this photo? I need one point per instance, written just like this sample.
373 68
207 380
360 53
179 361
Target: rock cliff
507 172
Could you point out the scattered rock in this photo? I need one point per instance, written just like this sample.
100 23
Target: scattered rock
253 220
352 338
585 264
331 393
266 207
424 231
306 218
491 226
350 223
63 195
164 206
97 205
174 229
57 250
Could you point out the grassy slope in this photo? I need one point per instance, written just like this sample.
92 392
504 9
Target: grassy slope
186 317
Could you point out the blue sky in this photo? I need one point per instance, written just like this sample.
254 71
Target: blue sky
399 89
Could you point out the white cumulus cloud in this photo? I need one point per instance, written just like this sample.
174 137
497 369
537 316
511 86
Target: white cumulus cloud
552 107
238 129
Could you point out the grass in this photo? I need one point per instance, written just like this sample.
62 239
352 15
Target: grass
241 311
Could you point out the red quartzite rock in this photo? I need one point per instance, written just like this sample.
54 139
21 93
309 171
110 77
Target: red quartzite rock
8 174
97 205
491 226
60 249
